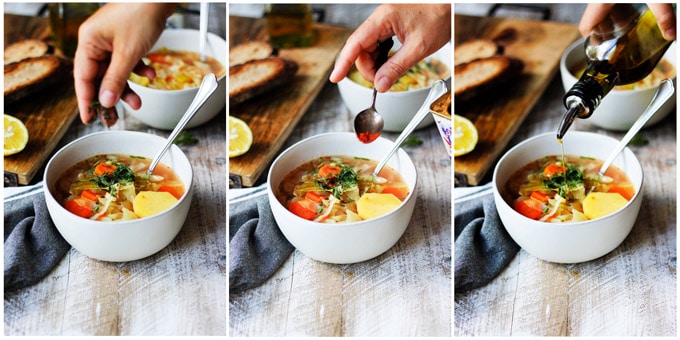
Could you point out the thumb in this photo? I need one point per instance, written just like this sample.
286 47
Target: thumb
394 68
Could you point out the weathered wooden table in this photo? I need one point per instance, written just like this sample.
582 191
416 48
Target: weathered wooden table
628 292
403 292
180 290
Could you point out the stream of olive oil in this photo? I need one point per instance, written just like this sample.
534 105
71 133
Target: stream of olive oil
564 165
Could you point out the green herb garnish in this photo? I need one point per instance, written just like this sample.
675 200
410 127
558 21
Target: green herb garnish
574 178
185 138
412 140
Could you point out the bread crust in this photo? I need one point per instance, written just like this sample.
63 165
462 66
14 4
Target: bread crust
258 76
475 49
25 49
251 50
480 75
31 75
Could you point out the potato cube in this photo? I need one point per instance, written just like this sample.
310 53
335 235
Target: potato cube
372 205
599 204
149 203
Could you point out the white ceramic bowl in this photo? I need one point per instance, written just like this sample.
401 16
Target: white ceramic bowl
162 109
619 109
397 108
343 242
118 241
568 242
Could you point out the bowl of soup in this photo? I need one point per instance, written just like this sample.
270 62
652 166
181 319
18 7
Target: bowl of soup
559 209
328 204
624 104
105 204
179 71
407 95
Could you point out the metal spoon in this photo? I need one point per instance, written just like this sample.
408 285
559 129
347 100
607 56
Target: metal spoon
665 90
368 124
203 29
208 86
438 89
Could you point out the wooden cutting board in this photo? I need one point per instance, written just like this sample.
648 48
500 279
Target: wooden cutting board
47 114
539 44
273 115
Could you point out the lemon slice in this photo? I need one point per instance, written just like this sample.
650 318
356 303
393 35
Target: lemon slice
240 137
16 135
465 135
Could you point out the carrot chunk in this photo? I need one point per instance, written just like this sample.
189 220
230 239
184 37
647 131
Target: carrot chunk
328 171
104 168
79 206
174 190
90 195
553 169
626 191
530 208
303 208
313 196
539 196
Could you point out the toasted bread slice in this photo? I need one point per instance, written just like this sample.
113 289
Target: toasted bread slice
258 76
475 49
26 49
248 51
34 74
477 76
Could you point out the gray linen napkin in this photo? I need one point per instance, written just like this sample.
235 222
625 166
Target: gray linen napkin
482 246
33 245
257 248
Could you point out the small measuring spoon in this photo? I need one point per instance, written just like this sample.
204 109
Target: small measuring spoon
665 90
208 86
368 124
437 90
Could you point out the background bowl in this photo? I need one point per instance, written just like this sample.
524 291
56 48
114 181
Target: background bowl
345 242
397 108
118 241
162 109
620 108
568 242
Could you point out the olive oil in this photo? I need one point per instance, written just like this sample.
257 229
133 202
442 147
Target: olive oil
623 55
289 25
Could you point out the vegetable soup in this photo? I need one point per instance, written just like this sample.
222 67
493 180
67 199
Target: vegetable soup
177 70
117 187
419 76
550 190
336 189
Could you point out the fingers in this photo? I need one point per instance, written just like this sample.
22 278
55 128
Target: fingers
593 15
359 46
85 77
665 18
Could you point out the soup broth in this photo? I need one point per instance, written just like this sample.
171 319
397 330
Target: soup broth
336 189
117 187
551 190
177 70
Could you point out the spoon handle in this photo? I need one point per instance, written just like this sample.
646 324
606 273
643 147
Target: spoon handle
662 94
438 89
203 29
208 86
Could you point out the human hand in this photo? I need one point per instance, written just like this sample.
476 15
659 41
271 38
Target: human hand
111 44
596 12
422 28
